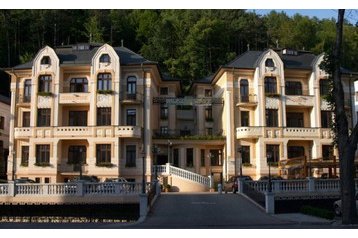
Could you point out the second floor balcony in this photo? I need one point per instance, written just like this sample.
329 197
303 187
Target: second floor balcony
78 131
74 98
130 97
283 132
188 134
246 100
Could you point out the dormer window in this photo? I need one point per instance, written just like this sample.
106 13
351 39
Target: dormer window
269 63
105 58
46 60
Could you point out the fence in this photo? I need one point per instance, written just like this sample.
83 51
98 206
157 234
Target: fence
72 189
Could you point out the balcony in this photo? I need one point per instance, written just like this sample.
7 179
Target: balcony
74 98
130 98
299 100
185 115
247 100
248 132
72 169
23 100
301 132
188 135
78 131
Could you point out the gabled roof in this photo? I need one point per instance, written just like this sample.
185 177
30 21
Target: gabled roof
249 60
70 56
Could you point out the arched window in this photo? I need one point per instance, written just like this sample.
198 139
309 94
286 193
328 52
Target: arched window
244 90
105 58
46 60
104 81
78 85
27 90
45 83
270 85
269 63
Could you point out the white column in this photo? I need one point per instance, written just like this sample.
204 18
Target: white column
11 164
147 123
230 143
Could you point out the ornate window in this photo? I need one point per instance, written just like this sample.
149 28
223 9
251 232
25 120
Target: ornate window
79 85
104 116
43 117
27 90
105 58
46 60
270 85
104 81
269 63
103 154
45 82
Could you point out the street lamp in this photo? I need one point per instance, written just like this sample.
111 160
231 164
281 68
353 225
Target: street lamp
269 156
169 152
143 174
239 150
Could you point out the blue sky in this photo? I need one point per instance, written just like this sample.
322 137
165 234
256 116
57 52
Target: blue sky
351 15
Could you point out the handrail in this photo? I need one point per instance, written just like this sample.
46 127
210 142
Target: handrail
182 173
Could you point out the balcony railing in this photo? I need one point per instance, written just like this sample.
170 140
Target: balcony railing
246 99
78 131
248 132
299 100
23 98
74 98
278 132
188 134
127 97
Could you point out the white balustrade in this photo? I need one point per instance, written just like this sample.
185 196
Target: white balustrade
29 189
291 185
301 132
327 185
189 175
244 132
4 189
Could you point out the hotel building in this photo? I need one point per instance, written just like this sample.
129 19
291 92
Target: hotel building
109 112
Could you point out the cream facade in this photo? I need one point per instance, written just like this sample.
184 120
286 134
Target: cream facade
4 134
102 110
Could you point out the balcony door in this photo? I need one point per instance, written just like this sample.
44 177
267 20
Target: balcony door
27 90
244 90
77 155
77 118
131 87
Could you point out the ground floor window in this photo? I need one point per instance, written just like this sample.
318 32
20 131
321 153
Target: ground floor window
103 154
42 155
130 156
76 154
25 156
295 151
189 157
176 157
273 154
215 158
327 152
245 154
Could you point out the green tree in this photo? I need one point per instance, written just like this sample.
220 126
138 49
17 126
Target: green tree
93 29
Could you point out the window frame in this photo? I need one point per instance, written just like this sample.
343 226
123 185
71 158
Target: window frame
270 85
25 154
293 88
104 116
77 118
43 117
103 153
131 156
43 154
275 149
131 117
45 83
26 120
79 85
74 154
104 82
271 117
105 58
27 90
45 60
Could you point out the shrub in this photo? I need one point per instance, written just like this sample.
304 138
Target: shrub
318 212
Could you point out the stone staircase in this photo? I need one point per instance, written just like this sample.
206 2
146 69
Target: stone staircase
181 180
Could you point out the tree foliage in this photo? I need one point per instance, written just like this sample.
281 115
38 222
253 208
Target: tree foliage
187 44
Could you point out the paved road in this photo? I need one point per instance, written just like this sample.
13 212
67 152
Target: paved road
185 211
209 210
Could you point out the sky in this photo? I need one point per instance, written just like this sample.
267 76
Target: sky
351 15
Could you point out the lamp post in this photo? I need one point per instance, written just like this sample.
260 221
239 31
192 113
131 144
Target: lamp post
169 151
80 162
269 156
239 151
13 165
143 174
